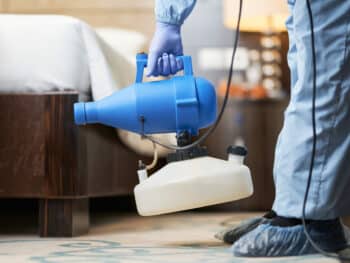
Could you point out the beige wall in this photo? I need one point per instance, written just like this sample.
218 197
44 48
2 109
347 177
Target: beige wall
129 14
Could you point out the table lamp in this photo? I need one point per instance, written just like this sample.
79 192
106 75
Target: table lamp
267 17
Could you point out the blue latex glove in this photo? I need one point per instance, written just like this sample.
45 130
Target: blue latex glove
165 46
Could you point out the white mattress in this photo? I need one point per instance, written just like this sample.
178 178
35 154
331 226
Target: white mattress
41 53
45 53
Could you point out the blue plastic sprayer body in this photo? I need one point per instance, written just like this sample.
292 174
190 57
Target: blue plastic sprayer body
181 103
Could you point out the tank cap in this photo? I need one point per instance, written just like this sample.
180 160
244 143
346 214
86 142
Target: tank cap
237 150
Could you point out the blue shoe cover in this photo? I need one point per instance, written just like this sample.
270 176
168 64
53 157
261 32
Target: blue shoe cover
232 234
275 241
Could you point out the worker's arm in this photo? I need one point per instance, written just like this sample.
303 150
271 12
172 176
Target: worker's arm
166 43
173 11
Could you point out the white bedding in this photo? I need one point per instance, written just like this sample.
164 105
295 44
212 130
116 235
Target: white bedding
45 53
41 53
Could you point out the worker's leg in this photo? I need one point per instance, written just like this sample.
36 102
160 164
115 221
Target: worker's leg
328 197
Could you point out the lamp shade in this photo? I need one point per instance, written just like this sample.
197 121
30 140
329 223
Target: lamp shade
257 15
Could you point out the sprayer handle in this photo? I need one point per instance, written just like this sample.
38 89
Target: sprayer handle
141 63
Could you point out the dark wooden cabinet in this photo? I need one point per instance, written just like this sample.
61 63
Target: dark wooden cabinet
259 123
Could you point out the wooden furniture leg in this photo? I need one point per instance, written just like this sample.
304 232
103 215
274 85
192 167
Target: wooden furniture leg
63 217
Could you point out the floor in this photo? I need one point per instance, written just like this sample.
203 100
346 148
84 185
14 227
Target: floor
185 237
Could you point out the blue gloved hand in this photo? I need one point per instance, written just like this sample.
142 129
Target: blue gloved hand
165 46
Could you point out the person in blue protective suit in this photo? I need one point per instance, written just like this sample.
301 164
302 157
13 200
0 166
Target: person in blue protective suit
280 232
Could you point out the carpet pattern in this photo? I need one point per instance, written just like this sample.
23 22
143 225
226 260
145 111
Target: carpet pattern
185 237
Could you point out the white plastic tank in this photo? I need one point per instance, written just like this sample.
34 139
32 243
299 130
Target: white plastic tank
194 183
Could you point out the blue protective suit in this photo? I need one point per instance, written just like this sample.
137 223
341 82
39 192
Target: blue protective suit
328 196
173 11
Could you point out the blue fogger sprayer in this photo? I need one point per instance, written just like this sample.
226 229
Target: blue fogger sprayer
184 105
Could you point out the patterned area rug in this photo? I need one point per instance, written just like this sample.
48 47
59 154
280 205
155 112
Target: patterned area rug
186 237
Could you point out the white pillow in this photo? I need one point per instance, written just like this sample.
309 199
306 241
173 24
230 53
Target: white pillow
126 42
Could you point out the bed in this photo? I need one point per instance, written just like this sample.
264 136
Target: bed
47 64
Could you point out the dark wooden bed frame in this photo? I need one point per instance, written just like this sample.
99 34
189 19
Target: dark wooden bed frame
44 155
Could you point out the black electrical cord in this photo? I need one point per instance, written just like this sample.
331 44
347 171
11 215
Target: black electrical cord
218 119
314 141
